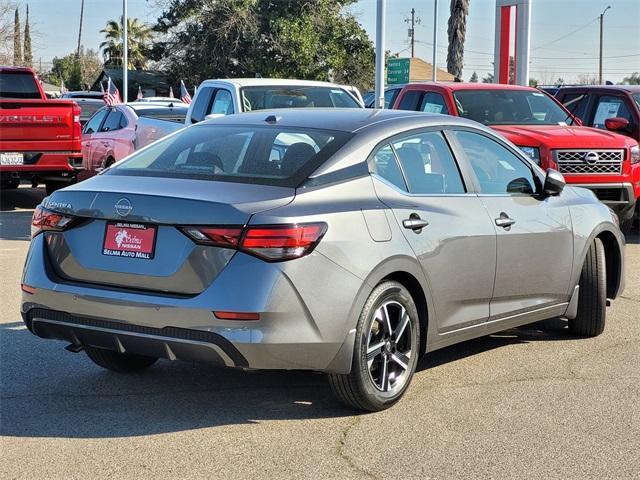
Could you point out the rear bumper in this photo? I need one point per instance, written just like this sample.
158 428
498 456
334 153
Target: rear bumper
291 333
68 164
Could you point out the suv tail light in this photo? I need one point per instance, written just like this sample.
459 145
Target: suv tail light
272 243
45 220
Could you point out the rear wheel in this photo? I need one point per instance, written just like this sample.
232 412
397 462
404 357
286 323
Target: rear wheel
385 353
592 296
119 362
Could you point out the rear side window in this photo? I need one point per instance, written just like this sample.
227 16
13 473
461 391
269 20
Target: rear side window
268 97
386 166
251 154
410 100
18 85
428 164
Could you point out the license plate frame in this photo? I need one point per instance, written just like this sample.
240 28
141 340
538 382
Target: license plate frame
137 240
9 159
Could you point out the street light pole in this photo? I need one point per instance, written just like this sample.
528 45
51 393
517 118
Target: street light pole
435 39
380 52
601 21
125 49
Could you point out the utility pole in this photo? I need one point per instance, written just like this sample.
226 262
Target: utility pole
381 14
412 31
435 39
80 30
601 21
125 50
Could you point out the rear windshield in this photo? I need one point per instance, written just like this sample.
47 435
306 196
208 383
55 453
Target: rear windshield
267 155
509 107
89 108
260 98
90 95
18 85
174 114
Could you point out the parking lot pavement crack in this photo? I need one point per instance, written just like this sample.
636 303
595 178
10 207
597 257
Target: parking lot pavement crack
340 449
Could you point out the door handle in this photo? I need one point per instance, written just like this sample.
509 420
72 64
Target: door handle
415 223
504 221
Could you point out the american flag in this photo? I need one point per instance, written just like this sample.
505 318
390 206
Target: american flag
184 93
140 95
111 95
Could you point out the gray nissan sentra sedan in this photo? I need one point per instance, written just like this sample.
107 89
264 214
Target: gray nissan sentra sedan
348 241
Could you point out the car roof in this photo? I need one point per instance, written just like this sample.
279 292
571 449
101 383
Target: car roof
342 119
626 88
455 86
257 82
10 68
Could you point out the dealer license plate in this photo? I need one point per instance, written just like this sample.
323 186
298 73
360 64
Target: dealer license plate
129 240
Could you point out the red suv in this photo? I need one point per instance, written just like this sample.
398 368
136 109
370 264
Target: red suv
603 161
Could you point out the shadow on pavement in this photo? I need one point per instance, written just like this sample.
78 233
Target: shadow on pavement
21 198
49 392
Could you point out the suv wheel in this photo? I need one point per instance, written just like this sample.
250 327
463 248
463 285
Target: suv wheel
592 299
119 362
386 351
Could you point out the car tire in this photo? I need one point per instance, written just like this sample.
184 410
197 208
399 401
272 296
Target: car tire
592 296
385 353
119 362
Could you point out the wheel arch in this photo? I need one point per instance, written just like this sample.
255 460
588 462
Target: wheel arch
613 262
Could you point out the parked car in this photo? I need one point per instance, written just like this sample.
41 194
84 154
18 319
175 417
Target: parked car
390 94
112 133
89 102
39 138
373 238
604 162
217 98
165 100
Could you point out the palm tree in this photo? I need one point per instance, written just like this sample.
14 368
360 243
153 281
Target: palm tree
457 30
139 35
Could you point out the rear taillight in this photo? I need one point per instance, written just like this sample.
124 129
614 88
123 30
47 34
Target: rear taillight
272 243
44 220
77 128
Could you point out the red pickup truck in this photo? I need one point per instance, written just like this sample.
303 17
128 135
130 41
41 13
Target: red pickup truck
40 139
603 161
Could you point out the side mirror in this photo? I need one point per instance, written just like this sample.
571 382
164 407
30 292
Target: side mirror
616 123
553 182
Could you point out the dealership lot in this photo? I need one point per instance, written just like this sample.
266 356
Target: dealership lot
520 404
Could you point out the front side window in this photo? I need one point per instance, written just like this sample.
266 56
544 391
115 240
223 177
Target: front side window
610 106
94 122
390 97
410 100
509 107
498 170
112 122
253 154
268 97
201 104
433 103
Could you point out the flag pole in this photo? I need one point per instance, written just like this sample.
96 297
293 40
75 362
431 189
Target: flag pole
125 48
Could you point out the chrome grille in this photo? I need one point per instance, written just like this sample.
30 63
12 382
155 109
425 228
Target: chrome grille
586 161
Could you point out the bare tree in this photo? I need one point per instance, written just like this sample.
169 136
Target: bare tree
7 10
457 31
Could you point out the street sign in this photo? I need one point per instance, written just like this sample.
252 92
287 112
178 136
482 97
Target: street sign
398 70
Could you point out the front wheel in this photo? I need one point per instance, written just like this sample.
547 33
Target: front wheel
385 353
592 295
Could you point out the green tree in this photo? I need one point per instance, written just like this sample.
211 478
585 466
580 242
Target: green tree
533 82
28 56
139 36
474 78
633 79
314 39
77 72
17 47
457 30
488 78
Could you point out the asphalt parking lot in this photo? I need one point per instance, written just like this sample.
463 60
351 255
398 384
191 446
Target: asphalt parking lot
521 404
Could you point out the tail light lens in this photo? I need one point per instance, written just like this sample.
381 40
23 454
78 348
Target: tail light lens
44 220
273 243
77 128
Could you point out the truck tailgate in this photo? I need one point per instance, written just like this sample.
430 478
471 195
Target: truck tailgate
37 125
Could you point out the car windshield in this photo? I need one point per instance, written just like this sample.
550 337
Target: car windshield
18 85
250 154
509 107
267 97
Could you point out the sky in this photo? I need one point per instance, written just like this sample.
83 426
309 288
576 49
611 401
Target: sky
564 33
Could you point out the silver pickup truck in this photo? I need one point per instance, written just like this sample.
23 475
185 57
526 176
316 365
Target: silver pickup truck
225 97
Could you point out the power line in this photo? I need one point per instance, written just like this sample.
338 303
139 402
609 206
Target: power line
566 35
